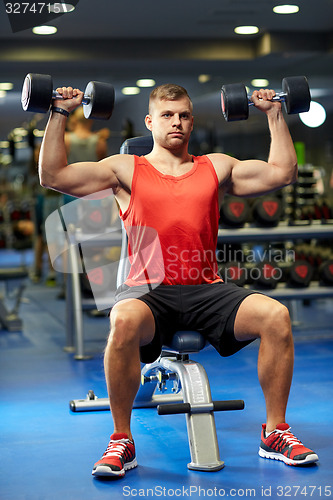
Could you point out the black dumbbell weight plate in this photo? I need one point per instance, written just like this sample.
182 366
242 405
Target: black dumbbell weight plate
101 280
234 211
233 272
267 211
37 93
300 274
266 275
97 281
94 220
326 273
234 102
101 102
298 94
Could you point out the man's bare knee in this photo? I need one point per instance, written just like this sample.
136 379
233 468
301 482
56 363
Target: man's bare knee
124 331
277 323
132 324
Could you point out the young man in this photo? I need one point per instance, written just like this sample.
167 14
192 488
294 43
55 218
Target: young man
179 197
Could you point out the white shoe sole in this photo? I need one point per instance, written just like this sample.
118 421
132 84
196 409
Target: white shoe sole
106 471
310 459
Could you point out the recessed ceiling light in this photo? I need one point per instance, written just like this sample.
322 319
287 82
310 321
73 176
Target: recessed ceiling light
6 86
246 30
146 82
44 30
58 8
315 116
259 82
286 9
130 90
204 78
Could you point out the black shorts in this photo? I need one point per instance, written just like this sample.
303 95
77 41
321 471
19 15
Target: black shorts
209 309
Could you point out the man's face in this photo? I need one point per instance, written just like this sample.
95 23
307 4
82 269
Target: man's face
171 122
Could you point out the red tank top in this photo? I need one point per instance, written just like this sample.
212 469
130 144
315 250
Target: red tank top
172 225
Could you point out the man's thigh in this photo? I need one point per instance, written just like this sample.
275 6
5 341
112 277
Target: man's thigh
253 314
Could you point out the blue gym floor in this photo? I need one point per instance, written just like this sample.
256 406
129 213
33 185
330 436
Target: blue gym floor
47 452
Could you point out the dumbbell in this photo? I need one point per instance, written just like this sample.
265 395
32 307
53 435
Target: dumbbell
300 274
233 272
94 219
295 94
98 281
267 211
234 211
38 94
326 273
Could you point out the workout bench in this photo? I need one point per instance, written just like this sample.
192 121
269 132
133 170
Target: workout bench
190 392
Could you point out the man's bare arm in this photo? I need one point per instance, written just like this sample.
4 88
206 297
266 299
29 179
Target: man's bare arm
78 179
255 177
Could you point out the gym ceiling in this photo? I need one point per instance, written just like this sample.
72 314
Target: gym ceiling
122 41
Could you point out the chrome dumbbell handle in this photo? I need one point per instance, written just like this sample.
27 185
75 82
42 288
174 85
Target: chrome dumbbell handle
279 97
55 95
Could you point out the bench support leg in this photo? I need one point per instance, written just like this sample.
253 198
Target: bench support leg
194 389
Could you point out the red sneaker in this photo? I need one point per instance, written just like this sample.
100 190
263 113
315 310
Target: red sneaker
118 457
281 444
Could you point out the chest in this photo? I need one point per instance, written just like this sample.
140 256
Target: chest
176 201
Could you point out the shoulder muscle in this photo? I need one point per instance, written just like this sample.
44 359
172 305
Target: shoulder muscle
122 168
223 166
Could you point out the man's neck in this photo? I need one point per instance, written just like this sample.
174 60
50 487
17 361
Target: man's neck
174 158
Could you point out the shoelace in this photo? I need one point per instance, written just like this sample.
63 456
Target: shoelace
116 448
289 437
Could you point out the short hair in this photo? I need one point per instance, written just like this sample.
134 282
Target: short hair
168 92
